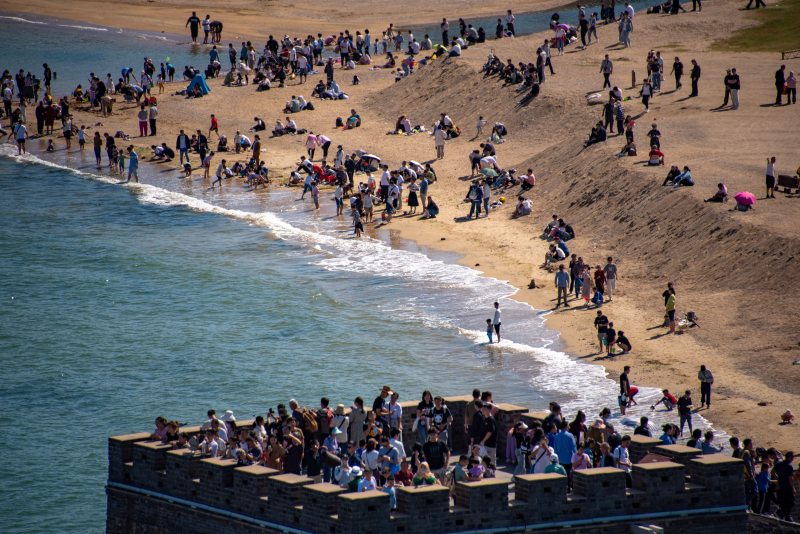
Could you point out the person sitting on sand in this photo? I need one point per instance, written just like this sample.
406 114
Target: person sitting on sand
787 417
432 210
319 89
402 124
656 157
292 106
259 127
264 85
390 64
598 135
684 178
524 206
628 150
554 255
720 196
673 172
291 126
528 181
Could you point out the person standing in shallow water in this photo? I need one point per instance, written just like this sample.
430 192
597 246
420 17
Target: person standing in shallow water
496 320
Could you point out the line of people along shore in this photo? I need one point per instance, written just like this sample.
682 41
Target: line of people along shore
362 449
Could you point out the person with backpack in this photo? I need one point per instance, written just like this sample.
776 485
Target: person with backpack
475 196
325 419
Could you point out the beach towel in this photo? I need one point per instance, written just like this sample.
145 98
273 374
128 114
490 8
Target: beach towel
199 80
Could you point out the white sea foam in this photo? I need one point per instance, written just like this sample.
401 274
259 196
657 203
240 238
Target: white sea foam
93 28
588 385
19 19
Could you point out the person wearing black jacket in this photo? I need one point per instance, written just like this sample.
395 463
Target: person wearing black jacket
780 81
182 145
350 167
685 410
677 69
695 76
40 118
734 85
202 145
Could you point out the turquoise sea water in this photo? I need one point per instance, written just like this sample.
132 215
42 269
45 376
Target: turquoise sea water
120 302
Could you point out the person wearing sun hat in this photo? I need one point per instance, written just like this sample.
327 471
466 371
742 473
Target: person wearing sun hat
355 479
342 423
595 432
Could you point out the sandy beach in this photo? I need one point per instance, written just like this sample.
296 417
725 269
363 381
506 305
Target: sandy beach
736 270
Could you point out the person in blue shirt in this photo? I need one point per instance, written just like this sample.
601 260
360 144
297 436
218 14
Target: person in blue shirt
762 484
133 164
551 434
475 196
563 246
214 54
389 488
668 437
684 178
564 445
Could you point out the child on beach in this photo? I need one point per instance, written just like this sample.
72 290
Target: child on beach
489 329
160 83
481 122
121 162
50 147
187 170
214 126
82 137
315 195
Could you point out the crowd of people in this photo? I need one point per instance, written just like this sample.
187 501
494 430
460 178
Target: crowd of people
363 449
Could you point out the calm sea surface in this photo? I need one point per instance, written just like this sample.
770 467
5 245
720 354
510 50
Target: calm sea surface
119 303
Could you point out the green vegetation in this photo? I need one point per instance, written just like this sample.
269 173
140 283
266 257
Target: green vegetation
778 30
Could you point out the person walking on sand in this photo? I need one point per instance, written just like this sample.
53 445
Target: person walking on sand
496 320
647 92
625 28
562 283
706 379
439 138
611 273
771 177
143 116
780 82
677 69
670 307
695 76
311 145
607 68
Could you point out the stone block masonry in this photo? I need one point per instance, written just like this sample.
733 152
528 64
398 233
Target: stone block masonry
155 490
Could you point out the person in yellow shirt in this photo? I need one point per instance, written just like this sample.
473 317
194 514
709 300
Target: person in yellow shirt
671 310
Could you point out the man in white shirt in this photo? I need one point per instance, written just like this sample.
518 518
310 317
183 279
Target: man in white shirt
623 459
21 132
385 183
367 483
445 26
496 320
629 9
212 446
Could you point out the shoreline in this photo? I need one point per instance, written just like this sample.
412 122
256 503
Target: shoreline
509 249
137 16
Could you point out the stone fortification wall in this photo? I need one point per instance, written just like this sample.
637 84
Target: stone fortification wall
155 490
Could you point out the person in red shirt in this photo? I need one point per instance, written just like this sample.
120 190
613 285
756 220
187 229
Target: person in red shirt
214 126
668 400
404 476
656 157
